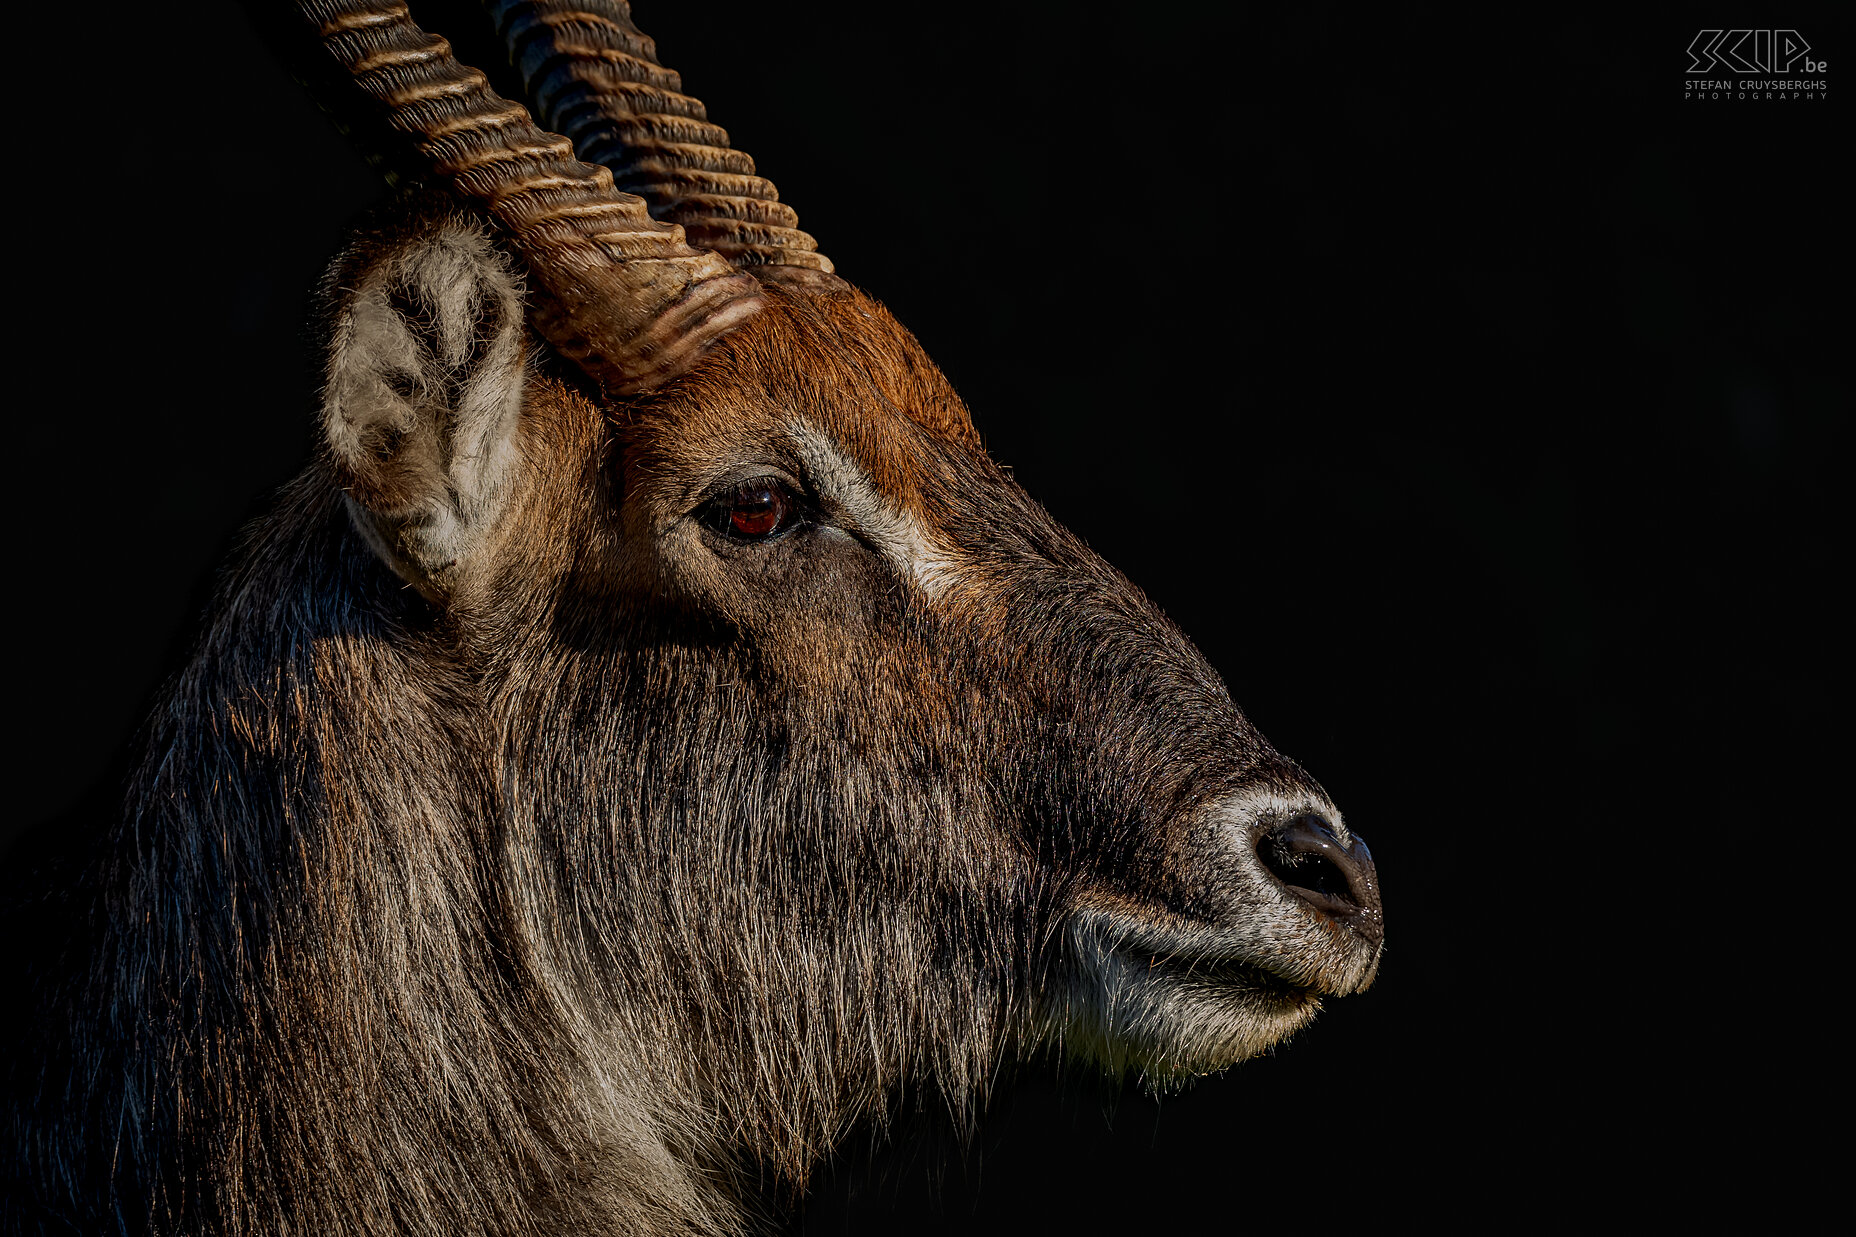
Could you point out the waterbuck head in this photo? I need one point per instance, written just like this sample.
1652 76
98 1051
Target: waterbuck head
793 753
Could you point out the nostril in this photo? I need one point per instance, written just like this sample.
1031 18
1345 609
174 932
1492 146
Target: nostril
1309 874
1306 856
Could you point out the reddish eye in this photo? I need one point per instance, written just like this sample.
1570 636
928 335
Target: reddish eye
754 510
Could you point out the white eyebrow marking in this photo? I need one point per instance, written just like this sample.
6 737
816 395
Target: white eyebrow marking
894 531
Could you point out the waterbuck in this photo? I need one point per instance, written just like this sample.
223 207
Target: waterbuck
649 735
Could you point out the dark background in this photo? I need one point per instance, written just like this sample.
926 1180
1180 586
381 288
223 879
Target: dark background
1472 399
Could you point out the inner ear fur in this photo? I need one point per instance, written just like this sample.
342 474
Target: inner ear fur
426 364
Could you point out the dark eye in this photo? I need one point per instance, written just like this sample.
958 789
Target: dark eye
755 510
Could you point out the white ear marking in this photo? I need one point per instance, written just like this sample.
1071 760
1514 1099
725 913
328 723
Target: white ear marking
426 370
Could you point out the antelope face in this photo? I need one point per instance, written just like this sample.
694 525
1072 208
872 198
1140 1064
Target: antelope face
1027 740
841 703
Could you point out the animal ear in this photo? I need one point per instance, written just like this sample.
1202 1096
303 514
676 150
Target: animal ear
427 361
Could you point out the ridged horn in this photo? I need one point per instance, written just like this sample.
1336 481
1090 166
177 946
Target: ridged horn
622 294
594 76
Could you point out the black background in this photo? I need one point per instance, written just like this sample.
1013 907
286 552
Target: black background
1470 397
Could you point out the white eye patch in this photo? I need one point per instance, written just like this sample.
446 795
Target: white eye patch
895 531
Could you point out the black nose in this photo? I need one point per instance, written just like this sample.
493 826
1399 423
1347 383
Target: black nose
1339 881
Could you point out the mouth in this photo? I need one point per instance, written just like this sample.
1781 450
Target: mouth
1142 1002
1229 978
1293 917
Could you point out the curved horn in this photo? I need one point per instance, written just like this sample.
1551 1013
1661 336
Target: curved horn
625 296
594 76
